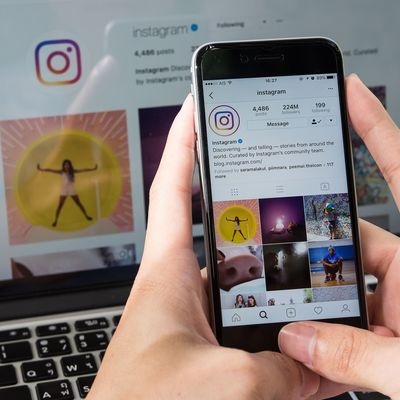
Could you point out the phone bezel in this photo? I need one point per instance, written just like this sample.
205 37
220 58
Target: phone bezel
313 60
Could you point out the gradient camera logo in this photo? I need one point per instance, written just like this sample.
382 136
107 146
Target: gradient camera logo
58 62
224 120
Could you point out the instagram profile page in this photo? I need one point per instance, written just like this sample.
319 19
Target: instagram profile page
280 199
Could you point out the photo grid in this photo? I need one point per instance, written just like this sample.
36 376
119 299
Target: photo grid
285 251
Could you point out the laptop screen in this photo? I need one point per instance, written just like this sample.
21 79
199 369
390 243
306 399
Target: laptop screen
88 93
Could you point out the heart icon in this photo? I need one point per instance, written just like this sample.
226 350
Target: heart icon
318 310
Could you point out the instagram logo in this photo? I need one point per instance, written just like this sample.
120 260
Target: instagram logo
224 120
58 62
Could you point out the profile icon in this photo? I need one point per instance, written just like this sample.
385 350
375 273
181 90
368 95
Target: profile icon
224 120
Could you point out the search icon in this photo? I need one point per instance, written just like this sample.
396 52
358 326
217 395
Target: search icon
263 314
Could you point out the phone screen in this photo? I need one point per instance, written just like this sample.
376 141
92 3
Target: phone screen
280 199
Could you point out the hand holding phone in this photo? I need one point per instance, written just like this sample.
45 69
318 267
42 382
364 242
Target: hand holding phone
278 188
165 330
352 356
166 317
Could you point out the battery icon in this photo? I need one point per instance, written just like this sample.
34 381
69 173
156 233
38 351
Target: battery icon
329 77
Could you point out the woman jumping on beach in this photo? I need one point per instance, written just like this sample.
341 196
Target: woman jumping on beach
67 173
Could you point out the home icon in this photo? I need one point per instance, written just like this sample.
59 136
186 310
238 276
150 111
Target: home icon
236 318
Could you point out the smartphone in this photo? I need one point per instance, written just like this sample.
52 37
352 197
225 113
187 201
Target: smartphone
279 205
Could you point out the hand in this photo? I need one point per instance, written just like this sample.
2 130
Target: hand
164 347
340 353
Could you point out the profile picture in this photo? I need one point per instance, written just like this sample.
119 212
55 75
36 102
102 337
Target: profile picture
332 263
286 266
69 176
224 120
282 220
237 223
241 269
327 217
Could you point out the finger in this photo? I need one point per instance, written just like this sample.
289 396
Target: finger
377 130
204 278
276 370
170 208
328 389
371 300
345 354
378 249
381 330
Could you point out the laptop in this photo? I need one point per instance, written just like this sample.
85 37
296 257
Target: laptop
88 93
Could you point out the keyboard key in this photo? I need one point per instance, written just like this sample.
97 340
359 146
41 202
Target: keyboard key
79 365
91 341
59 390
39 371
52 347
101 355
116 319
19 351
53 329
14 334
8 376
84 385
91 324
16 393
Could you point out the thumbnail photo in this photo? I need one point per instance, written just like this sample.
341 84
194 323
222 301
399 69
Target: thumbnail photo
286 266
243 300
337 293
67 176
289 297
332 263
241 269
73 261
282 220
154 127
327 217
237 223
370 184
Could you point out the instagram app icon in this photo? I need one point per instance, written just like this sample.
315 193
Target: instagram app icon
58 62
224 120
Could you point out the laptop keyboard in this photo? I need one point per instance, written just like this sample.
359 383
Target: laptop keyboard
53 361
58 358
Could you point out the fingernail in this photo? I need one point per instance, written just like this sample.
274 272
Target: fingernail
355 76
311 382
297 341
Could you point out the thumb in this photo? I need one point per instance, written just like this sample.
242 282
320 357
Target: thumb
345 354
